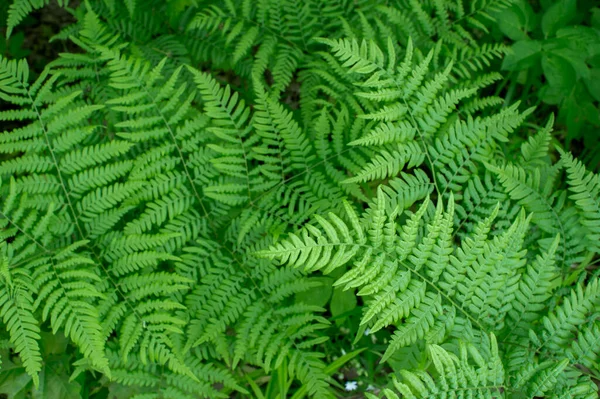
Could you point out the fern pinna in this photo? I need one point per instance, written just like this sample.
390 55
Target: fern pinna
167 221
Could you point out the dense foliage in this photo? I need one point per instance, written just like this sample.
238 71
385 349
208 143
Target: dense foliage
292 198
556 58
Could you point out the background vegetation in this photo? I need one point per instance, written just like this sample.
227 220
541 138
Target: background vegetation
280 198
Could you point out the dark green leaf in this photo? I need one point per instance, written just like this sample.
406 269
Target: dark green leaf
524 54
576 59
517 20
55 385
317 296
552 95
558 16
593 83
592 113
342 302
595 17
558 71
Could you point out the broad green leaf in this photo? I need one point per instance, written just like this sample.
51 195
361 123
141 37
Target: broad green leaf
574 113
593 83
14 381
524 54
56 385
517 20
557 16
576 59
558 71
592 113
583 39
54 344
552 95
595 17
342 302
317 296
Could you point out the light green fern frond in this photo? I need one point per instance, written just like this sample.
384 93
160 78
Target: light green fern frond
585 187
17 310
563 322
20 9
65 284
455 376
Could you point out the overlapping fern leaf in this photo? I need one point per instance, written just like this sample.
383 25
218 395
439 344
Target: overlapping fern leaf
410 275
458 377
145 198
415 275
40 209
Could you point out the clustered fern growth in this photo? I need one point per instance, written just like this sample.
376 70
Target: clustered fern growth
162 206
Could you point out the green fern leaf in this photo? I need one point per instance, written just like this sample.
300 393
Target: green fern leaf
16 308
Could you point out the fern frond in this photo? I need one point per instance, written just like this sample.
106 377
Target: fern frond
586 194
420 322
561 324
20 9
585 349
65 286
17 310
535 150
14 77
455 377
535 288
389 164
